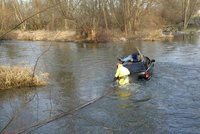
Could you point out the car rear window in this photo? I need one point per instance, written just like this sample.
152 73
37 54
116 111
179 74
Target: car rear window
135 67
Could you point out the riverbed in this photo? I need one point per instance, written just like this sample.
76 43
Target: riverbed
80 72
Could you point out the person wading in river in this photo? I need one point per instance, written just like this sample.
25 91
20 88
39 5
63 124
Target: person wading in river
122 74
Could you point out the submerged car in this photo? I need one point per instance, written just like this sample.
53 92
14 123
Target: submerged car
141 67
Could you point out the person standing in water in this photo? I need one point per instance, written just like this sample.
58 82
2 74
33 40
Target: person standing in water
122 74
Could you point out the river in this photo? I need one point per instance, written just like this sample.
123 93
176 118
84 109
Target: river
79 72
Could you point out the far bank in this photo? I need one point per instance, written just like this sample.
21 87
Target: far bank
73 36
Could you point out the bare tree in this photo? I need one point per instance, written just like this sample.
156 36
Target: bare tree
88 16
189 8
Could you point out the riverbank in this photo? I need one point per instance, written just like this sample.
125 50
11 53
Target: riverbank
41 35
72 36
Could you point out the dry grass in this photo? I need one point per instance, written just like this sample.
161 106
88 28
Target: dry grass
101 35
45 35
15 77
41 35
153 35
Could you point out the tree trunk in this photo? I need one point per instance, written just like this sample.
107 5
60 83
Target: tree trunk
66 24
18 14
186 19
104 16
3 10
125 17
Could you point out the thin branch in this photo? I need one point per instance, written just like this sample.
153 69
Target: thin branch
79 107
35 66
33 15
16 113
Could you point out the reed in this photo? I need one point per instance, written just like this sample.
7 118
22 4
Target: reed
16 77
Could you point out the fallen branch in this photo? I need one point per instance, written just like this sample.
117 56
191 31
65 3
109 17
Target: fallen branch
44 122
35 66
16 114
33 76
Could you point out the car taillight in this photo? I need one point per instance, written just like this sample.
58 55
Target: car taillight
146 74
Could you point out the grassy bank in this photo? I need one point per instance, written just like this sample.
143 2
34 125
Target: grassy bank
16 77
100 36
152 35
41 35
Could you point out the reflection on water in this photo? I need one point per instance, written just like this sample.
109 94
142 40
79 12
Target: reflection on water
126 92
168 103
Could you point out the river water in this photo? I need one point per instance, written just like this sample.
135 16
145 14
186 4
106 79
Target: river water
79 72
